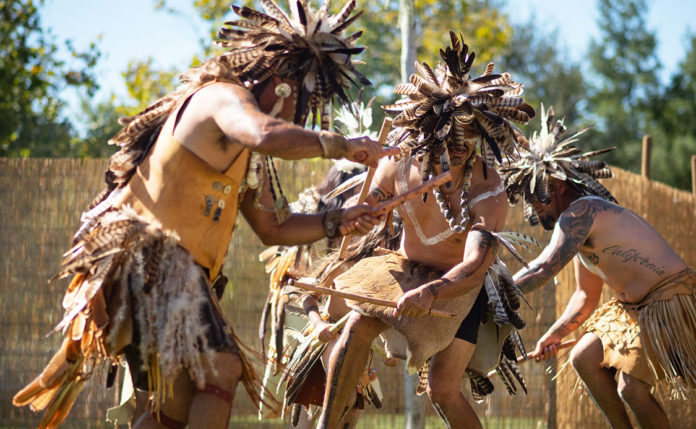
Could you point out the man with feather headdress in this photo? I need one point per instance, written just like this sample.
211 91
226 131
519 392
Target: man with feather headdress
447 246
146 262
648 331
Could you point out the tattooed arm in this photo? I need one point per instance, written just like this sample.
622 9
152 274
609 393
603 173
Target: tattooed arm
382 186
478 254
570 233
581 305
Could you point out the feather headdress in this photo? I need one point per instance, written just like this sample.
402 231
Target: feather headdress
444 109
549 155
306 46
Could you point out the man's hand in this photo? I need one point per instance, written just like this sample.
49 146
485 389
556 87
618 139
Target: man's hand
323 331
415 303
358 220
365 151
546 347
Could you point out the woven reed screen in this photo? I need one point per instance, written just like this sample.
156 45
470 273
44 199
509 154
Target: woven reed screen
40 204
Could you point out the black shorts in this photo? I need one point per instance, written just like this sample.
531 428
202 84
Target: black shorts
468 330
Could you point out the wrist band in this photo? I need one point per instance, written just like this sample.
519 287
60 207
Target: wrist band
331 222
334 145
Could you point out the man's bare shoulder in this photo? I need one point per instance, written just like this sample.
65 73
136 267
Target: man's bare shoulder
590 206
225 93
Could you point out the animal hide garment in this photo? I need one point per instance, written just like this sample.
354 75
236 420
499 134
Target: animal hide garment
389 277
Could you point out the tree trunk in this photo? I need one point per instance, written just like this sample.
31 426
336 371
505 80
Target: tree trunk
413 404
407 23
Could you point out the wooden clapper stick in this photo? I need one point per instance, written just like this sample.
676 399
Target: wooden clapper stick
308 284
381 139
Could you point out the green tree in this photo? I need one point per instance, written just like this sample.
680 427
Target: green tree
534 58
624 82
672 124
31 78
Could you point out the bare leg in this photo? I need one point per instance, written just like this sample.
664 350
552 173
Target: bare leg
141 401
346 364
636 394
586 358
201 409
444 385
175 408
210 410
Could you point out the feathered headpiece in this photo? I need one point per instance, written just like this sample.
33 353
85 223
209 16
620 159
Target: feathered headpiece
307 47
444 108
550 156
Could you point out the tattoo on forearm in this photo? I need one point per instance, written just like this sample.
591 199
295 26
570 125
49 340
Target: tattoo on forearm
381 195
433 288
570 325
483 241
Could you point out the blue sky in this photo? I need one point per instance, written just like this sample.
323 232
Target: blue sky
133 29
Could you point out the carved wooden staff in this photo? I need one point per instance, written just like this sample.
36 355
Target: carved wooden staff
521 359
365 299
381 139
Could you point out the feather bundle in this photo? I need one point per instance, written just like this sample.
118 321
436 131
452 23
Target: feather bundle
443 109
550 155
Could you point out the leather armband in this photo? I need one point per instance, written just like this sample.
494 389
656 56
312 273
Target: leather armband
334 145
331 222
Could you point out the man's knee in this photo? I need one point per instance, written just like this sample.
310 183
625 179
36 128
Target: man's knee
440 391
585 360
631 390
360 330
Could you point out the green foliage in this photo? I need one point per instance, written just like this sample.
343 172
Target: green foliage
625 63
145 84
534 59
672 124
31 76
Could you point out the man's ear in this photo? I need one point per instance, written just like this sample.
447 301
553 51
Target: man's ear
561 187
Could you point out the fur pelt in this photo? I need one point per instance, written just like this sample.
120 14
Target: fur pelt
125 270
388 277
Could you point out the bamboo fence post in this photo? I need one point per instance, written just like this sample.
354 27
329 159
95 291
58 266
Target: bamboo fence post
693 174
645 162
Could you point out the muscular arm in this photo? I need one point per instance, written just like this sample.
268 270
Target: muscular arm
478 254
382 186
570 233
580 306
238 116
299 228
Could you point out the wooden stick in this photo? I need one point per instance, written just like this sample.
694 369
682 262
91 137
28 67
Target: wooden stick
521 359
421 189
365 299
383 133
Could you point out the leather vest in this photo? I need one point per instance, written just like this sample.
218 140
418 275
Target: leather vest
174 187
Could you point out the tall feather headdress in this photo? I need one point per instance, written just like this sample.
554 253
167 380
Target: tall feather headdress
306 46
444 109
549 155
